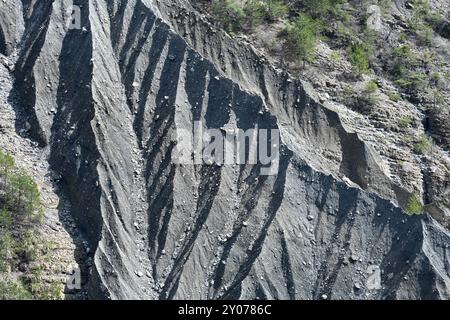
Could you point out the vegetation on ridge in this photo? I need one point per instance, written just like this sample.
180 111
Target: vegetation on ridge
20 243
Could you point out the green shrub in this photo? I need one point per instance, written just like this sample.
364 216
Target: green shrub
422 22
20 210
421 11
7 246
414 206
229 14
345 34
404 64
404 52
6 164
275 9
422 145
302 35
323 8
425 35
394 96
371 87
28 194
371 100
6 219
439 23
257 11
254 13
403 37
27 248
335 57
439 81
235 17
438 98
21 192
368 97
403 60
358 54
435 19
404 122
412 82
385 5
45 291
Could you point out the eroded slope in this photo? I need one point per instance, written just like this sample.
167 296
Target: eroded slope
105 99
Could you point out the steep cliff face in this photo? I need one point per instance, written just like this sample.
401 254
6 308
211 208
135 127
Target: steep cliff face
105 99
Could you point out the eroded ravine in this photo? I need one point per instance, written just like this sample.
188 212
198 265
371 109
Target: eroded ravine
106 98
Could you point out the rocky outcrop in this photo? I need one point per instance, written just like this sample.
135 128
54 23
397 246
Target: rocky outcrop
104 100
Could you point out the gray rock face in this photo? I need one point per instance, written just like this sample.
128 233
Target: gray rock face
104 100
11 25
374 21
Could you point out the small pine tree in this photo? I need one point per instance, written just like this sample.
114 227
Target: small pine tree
302 35
254 13
414 206
359 57
21 192
30 196
6 164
